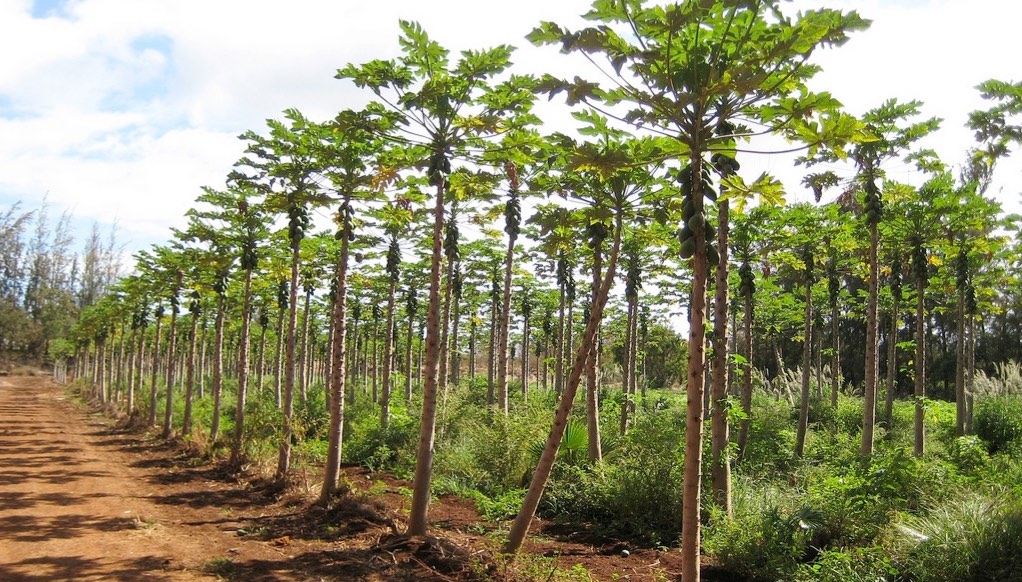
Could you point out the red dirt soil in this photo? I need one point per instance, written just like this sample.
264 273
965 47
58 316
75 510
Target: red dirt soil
82 499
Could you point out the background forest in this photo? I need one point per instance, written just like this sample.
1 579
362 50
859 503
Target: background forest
856 359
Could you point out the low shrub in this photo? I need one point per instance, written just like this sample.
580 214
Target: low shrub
368 444
968 538
866 564
769 535
969 454
771 440
636 492
998 421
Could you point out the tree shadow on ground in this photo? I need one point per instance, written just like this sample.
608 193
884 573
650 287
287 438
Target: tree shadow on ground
61 569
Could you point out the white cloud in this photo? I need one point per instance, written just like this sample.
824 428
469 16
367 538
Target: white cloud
124 108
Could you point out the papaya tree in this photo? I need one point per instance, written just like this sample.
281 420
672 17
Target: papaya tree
683 71
227 227
441 107
286 164
171 263
606 175
353 154
891 133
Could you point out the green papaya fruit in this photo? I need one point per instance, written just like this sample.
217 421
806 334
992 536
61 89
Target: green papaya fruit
688 248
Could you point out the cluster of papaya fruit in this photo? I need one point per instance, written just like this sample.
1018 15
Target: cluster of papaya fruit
874 206
747 284
438 170
344 215
596 232
691 219
297 222
513 206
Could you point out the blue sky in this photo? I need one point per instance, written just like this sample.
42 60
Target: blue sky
122 109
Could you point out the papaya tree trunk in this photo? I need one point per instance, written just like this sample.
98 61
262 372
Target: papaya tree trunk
960 404
628 369
261 362
692 480
592 362
168 413
375 360
408 358
970 371
306 348
154 373
338 354
720 431
472 332
835 360
237 446
525 357
559 351
388 358
218 367
919 448
746 398
186 421
284 458
492 354
807 352
417 519
136 381
540 477
278 360
892 364
455 373
505 324
872 347
202 359
445 330
100 371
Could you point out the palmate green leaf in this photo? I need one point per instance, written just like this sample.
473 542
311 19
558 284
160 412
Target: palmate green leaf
603 162
484 63
576 91
590 40
473 185
551 218
515 95
768 189
546 33
598 214
377 74
421 53
596 124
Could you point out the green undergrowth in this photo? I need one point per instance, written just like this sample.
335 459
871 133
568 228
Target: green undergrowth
954 514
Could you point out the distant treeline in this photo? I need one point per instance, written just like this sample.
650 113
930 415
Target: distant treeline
46 278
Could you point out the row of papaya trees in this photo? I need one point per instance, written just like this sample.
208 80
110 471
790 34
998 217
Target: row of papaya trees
450 148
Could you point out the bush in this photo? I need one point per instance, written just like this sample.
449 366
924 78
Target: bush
636 493
965 539
869 564
999 422
857 500
494 455
311 418
366 443
576 493
768 536
969 454
771 442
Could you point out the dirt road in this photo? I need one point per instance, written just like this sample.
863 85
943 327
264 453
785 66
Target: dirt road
80 500
83 500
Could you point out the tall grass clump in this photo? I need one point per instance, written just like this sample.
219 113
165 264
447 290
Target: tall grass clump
970 538
999 422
